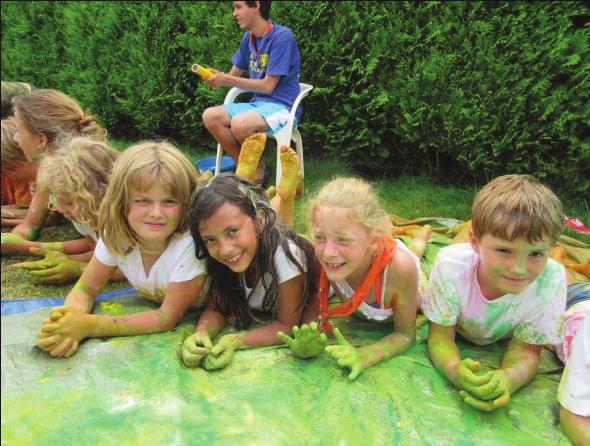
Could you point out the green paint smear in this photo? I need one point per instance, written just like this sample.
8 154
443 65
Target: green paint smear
133 390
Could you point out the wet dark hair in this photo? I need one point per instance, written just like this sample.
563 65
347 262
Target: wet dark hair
264 7
226 293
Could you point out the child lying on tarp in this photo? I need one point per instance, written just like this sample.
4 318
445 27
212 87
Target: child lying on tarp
378 277
76 178
501 285
144 232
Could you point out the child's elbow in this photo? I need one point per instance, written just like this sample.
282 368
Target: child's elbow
164 322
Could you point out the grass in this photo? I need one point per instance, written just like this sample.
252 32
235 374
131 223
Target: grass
407 196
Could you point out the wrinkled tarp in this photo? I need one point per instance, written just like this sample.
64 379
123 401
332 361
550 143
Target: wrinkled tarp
134 390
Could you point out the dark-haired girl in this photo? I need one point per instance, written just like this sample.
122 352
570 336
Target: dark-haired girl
254 261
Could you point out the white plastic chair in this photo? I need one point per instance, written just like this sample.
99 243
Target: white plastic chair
284 136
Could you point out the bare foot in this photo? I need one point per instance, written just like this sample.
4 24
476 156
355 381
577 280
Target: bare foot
418 243
250 154
287 188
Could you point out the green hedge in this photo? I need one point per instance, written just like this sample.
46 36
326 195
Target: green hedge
463 90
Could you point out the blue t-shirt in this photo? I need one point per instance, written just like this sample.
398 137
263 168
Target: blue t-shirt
274 53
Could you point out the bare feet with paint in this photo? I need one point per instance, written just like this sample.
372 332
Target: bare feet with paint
250 154
287 188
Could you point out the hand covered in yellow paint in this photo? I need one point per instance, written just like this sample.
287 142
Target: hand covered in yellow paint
55 267
346 355
307 342
195 347
61 334
482 385
50 337
501 393
223 352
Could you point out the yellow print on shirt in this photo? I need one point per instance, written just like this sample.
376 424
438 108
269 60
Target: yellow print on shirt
258 64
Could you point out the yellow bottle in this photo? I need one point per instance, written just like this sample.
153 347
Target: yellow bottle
202 71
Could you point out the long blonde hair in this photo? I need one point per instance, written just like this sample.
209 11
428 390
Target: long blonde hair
54 114
356 195
12 154
79 170
140 167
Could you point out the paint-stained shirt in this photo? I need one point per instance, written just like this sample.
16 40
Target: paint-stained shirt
176 264
574 389
454 298
286 270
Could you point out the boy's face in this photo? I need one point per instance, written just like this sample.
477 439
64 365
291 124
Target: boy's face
245 15
508 266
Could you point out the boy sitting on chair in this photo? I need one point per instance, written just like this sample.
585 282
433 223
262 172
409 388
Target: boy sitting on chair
270 54
501 285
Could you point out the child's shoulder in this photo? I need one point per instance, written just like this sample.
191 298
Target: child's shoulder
552 274
459 254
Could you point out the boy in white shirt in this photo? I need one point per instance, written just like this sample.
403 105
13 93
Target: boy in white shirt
502 285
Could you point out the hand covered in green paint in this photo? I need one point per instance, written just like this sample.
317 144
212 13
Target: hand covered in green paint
346 355
195 347
223 352
50 337
480 384
55 267
501 393
307 342
11 242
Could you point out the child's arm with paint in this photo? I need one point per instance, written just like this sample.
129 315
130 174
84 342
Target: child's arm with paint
58 341
519 367
289 298
465 374
78 325
30 228
403 273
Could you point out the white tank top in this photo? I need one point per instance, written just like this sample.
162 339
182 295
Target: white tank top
369 312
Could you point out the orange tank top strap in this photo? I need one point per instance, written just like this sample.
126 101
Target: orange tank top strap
382 258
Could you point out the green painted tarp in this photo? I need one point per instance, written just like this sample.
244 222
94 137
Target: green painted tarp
134 390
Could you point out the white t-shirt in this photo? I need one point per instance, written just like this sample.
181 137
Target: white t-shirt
574 389
85 230
454 297
286 270
176 264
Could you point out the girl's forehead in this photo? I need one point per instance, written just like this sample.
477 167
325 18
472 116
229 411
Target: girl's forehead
144 185
336 219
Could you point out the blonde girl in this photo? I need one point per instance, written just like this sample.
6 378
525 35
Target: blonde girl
376 276
76 177
144 232
42 118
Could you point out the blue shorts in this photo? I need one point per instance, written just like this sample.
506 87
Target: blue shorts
276 115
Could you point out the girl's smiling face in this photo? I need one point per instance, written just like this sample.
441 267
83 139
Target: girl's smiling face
230 237
344 247
154 215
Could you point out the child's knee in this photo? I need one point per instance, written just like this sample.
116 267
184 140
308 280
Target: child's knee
241 128
213 115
